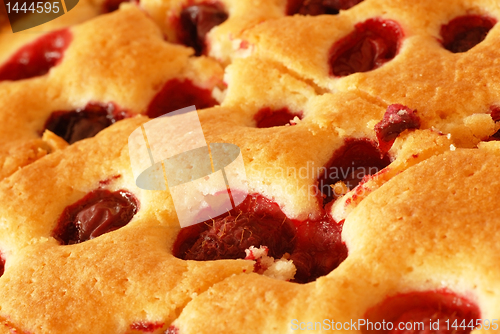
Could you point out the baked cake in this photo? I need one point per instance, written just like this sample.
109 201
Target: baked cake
369 136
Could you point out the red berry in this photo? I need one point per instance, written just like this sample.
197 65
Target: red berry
268 118
83 123
372 44
196 21
428 312
36 58
177 94
463 33
397 119
99 212
316 247
351 163
112 5
318 7
2 265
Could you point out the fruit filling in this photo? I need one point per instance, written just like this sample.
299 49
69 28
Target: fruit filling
83 123
2 265
112 5
397 119
99 212
424 313
36 58
268 118
463 33
371 44
318 7
196 21
177 94
146 327
355 160
315 247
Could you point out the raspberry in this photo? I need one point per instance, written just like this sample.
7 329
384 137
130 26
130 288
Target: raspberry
36 58
463 33
372 44
83 123
99 212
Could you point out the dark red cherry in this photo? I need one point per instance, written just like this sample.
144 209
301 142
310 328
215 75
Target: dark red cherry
316 247
36 58
196 21
371 44
463 33
177 94
397 119
268 118
356 159
318 7
99 212
255 222
112 5
2 265
428 312
83 123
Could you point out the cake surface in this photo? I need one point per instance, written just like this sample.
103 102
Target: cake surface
368 131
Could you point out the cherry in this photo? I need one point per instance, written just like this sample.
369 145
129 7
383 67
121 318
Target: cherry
83 123
36 58
177 94
147 327
356 159
463 33
429 312
196 21
99 212
112 5
397 119
318 7
268 118
316 247
2 265
255 222
372 44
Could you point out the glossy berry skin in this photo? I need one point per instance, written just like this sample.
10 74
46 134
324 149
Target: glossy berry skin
371 44
319 7
36 58
99 212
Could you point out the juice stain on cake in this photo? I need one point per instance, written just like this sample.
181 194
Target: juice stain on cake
99 212
315 247
177 94
371 44
36 58
318 7
463 33
438 312
83 123
196 21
